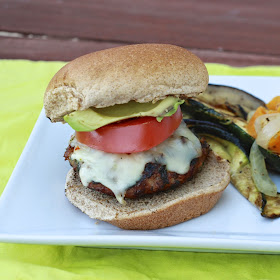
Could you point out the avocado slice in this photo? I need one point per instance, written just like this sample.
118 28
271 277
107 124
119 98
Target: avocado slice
94 118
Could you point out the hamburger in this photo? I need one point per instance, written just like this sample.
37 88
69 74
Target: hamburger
135 164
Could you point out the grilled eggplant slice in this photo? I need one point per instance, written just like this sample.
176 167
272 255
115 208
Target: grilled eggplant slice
233 100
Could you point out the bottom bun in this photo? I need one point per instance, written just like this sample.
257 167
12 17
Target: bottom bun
160 210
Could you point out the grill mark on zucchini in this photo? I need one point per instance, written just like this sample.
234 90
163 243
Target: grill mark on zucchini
271 208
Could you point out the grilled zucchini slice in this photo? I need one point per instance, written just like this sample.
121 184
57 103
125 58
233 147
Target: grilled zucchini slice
233 124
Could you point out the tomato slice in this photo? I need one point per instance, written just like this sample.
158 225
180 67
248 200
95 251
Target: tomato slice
132 135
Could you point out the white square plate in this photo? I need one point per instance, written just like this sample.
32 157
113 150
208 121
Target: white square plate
33 208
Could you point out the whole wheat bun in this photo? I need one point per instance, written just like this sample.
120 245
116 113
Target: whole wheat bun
144 73
160 210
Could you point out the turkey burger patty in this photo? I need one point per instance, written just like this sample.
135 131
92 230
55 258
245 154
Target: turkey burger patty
159 171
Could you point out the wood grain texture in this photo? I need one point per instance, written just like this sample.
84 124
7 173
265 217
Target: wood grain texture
235 26
49 49
66 50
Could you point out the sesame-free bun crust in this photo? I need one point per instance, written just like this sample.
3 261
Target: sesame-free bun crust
144 73
160 210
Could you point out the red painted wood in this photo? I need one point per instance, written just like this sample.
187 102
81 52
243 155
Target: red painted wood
48 49
66 50
238 26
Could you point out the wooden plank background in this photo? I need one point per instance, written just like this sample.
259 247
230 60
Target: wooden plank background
232 32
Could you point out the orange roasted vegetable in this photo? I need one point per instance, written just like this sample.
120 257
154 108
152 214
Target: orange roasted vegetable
274 104
251 125
273 107
274 143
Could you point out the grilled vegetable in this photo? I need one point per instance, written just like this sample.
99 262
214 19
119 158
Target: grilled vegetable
227 146
271 208
273 160
241 178
259 173
234 125
237 126
236 101
274 104
209 128
240 169
264 126
220 118
251 123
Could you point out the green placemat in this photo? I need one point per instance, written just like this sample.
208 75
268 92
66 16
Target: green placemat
22 84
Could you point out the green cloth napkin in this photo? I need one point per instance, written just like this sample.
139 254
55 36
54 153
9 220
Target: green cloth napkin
22 84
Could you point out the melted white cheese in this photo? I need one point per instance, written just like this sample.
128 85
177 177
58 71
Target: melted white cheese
118 172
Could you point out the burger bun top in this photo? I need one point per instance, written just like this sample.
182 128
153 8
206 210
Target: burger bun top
144 73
